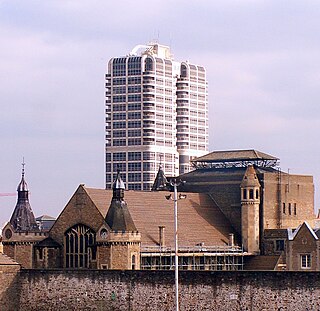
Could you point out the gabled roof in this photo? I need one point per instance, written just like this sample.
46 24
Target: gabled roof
234 155
293 234
199 219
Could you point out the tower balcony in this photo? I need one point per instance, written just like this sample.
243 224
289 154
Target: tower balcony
149 106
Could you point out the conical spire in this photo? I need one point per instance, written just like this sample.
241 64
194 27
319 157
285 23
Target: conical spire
160 183
23 218
118 217
118 186
250 178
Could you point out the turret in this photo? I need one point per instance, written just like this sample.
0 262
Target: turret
160 183
250 201
124 239
118 217
23 218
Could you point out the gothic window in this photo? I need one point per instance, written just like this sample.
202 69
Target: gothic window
79 246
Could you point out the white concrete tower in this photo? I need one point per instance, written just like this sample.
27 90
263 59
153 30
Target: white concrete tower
150 98
250 201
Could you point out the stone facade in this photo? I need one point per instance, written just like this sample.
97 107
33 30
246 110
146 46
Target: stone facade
154 290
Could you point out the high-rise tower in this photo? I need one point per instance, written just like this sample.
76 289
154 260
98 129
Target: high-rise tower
156 113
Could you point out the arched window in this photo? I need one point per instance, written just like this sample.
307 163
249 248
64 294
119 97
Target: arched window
80 248
133 262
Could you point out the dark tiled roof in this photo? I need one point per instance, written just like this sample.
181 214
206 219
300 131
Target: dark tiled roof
234 155
199 219
118 217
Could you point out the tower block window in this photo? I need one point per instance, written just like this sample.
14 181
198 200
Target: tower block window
257 194
79 246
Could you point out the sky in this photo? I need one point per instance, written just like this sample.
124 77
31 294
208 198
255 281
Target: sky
263 68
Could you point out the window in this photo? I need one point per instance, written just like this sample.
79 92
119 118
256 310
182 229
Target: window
295 208
119 156
134 141
119 116
257 194
134 133
119 125
134 124
251 194
79 246
279 245
133 262
134 187
119 166
119 133
244 194
119 142
134 115
148 166
134 156
134 177
284 208
134 166
289 208
305 261
148 64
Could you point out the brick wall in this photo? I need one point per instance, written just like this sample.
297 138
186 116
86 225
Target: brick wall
154 290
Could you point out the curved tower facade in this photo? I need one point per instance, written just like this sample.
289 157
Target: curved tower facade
156 113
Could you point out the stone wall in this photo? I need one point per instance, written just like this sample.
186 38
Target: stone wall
154 290
9 293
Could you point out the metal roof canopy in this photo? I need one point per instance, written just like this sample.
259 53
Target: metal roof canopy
235 158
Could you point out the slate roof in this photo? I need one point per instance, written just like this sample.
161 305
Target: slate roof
234 155
118 217
199 219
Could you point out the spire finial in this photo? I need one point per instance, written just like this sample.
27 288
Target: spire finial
23 165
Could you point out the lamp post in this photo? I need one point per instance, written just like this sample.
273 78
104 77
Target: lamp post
174 183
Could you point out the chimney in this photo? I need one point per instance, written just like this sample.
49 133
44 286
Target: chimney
161 236
231 239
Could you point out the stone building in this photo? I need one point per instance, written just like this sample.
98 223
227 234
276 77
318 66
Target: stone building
240 212
285 200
